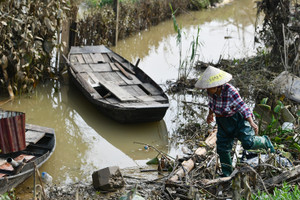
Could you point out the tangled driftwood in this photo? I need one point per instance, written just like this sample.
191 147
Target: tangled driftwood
196 176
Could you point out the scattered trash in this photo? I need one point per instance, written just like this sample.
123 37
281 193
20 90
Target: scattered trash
287 84
287 126
132 195
47 178
253 159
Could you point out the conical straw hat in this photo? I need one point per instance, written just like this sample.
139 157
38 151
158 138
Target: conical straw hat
212 77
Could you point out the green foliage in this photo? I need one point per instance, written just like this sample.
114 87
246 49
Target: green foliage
8 196
153 161
287 192
284 139
92 3
106 2
273 126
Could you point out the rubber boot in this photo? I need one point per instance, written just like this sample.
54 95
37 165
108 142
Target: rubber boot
263 142
226 164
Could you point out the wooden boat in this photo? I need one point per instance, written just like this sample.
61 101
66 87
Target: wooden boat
39 146
118 88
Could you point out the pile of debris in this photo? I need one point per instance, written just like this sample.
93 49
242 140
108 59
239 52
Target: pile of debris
196 176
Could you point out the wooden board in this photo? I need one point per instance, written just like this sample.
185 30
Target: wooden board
159 98
88 86
97 58
87 58
93 78
120 93
73 59
113 67
82 68
80 59
151 89
110 77
89 49
102 67
33 136
145 98
135 90
112 100
39 128
134 81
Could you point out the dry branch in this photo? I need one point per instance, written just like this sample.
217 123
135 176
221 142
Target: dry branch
282 177
188 165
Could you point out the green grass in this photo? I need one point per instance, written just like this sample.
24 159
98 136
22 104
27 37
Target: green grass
287 192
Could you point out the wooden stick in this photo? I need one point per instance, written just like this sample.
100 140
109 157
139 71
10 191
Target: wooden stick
123 71
137 63
38 173
188 165
114 59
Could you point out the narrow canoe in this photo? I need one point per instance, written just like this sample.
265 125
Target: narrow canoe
119 89
40 145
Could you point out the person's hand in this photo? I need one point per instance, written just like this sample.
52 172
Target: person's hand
255 127
210 118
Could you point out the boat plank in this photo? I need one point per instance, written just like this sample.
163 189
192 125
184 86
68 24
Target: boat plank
80 59
89 49
134 81
88 87
82 68
145 98
103 67
39 128
124 63
151 89
159 98
73 59
111 77
33 136
119 92
135 90
127 75
112 100
114 67
94 78
87 58
97 58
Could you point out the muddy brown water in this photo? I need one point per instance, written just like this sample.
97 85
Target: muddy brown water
87 140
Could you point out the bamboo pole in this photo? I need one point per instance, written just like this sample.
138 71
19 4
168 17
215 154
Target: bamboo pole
117 21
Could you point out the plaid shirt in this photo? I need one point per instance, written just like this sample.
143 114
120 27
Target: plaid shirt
228 103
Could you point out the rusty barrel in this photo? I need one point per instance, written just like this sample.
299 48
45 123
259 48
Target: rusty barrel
12 131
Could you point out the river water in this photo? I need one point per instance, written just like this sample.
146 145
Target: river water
88 141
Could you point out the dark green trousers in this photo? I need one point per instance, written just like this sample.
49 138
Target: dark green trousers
230 128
